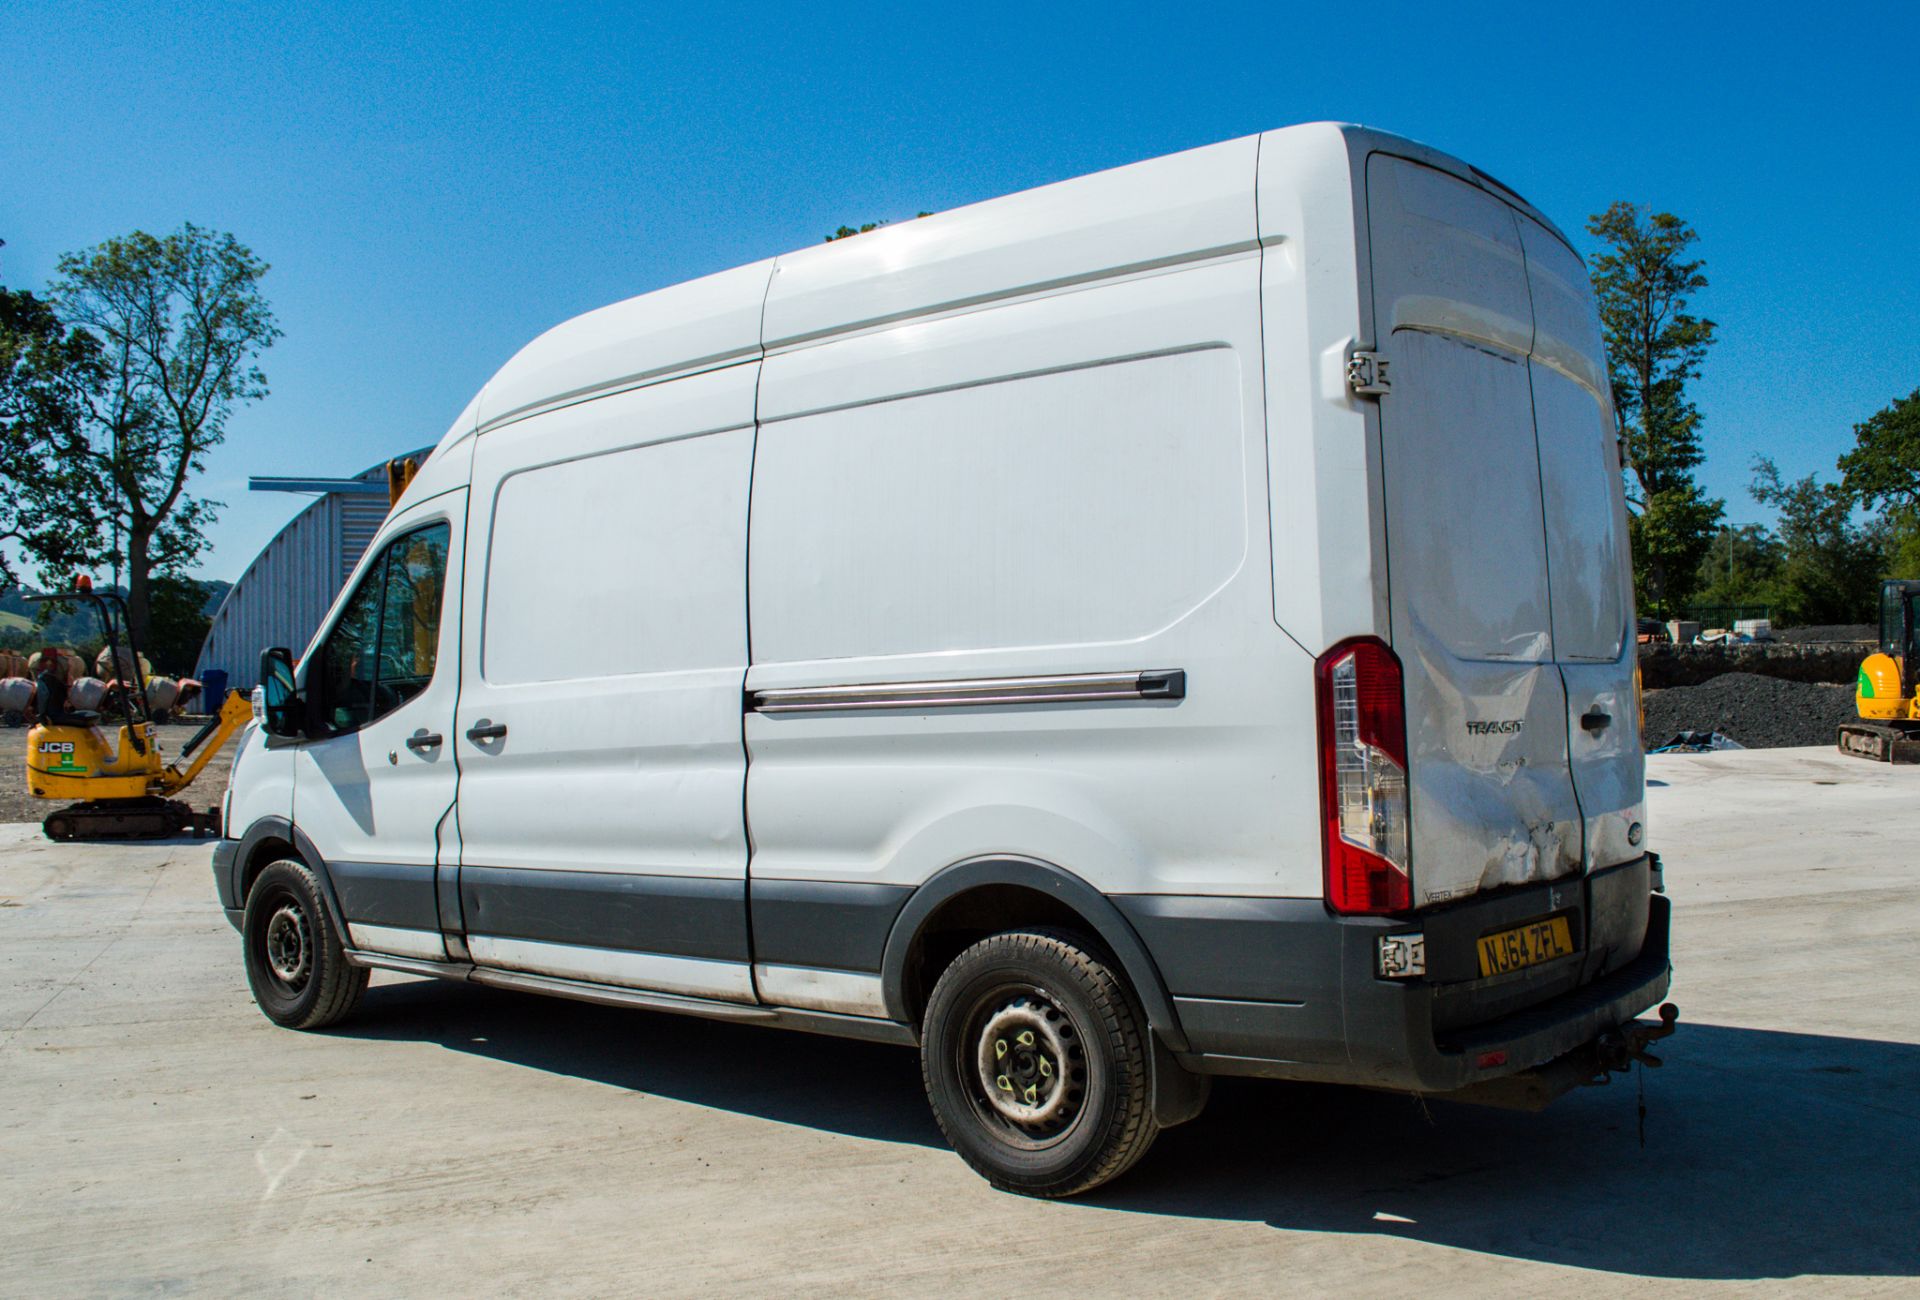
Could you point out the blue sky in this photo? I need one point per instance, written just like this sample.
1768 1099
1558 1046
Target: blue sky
434 185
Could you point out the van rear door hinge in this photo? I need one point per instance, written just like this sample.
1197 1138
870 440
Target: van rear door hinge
1367 373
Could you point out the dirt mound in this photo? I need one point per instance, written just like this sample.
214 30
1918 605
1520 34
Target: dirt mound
1828 632
1759 712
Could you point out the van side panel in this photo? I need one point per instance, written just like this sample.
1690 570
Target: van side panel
1323 458
1067 485
602 835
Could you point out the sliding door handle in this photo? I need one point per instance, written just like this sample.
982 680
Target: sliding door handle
1595 721
485 730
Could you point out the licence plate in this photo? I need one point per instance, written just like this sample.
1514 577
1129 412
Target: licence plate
1525 945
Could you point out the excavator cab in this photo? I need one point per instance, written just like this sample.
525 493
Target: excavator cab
109 759
1885 696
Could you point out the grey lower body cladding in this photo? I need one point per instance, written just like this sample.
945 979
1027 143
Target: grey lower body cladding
1280 988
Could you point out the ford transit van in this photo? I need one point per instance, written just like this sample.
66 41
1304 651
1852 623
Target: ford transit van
1172 623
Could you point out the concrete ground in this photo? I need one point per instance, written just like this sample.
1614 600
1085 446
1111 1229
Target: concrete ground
159 1136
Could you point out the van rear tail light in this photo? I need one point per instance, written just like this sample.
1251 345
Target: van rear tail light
1363 778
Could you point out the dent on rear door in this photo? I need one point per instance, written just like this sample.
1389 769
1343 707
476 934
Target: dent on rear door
1492 797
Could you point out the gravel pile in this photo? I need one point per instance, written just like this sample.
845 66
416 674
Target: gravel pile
1828 632
1759 712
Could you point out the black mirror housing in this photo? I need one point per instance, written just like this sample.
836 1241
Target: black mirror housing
280 697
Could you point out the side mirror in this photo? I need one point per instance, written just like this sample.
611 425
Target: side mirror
279 697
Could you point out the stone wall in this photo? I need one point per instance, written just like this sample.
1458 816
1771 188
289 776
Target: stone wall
1837 662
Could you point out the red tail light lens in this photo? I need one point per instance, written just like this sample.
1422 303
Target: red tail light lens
1363 778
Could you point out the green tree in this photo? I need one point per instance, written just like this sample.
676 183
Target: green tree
1830 563
46 373
847 232
1883 469
1898 531
179 323
1741 567
180 624
1644 280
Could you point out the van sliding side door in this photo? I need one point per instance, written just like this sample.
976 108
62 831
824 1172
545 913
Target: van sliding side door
602 822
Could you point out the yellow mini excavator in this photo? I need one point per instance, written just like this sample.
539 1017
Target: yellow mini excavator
126 789
1888 695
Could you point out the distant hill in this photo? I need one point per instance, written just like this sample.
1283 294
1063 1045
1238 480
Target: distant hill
18 621
79 627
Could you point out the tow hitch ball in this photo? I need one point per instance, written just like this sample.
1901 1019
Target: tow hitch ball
1620 1048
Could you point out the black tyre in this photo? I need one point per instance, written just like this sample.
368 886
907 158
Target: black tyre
295 963
1035 1056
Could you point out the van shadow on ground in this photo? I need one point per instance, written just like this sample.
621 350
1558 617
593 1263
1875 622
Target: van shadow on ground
1768 1155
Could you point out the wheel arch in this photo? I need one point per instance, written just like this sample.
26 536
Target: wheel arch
1000 884
270 839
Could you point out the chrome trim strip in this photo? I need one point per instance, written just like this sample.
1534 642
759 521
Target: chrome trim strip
1066 688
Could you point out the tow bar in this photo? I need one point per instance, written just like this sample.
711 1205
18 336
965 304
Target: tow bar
1618 1049
1615 1051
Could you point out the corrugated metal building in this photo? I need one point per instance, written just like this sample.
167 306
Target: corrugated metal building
285 592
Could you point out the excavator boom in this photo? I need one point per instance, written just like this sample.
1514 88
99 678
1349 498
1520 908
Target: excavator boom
235 712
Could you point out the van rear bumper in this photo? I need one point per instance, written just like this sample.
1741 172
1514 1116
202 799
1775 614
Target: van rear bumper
1306 1001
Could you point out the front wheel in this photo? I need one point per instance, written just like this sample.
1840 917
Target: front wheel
296 963
1035 1056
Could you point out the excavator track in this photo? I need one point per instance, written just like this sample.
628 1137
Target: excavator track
1880 741
129 819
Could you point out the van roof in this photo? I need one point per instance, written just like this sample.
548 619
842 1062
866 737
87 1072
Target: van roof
1147 215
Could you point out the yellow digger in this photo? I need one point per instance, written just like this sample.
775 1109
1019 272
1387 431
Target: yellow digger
126 788
1888 694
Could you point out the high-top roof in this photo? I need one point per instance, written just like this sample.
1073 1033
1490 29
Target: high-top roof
1161 212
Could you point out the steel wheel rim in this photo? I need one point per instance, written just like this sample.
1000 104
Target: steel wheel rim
1023 1063
288 946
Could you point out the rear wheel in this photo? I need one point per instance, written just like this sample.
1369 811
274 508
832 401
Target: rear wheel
1035 1056
295 961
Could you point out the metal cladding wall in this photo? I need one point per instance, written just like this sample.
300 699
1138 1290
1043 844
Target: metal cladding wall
286 591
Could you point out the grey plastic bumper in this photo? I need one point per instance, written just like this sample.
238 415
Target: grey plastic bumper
225 854
1281 989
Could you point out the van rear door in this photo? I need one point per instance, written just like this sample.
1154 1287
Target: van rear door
1587 560
1470 597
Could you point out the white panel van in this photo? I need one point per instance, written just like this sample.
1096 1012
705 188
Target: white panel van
1166 624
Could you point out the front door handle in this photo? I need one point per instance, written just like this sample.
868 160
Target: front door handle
1595 721
421 741
484 730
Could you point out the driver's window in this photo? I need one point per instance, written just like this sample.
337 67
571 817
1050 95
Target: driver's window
346 661
410 617
1892 619
382 651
